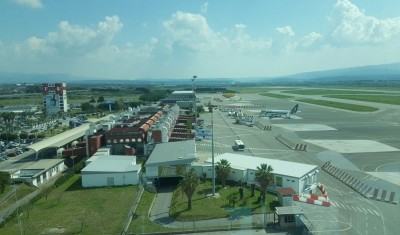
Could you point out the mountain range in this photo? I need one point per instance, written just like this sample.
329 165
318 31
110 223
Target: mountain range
382 72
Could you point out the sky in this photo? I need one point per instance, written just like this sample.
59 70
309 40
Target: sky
144 39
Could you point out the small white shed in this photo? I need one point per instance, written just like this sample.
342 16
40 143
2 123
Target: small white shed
111 171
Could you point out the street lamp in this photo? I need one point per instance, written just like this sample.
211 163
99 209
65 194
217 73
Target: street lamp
212 150
194 97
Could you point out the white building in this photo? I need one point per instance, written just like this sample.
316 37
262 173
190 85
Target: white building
184 99
167 159
112 170
55 98
298 176
39 172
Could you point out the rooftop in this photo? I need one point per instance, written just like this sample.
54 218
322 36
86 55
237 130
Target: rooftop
43 164
62 138
182 92
116 163
173 152
292 169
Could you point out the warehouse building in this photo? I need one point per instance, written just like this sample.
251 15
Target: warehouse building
112 170
39 172
184 99
298 176
168 161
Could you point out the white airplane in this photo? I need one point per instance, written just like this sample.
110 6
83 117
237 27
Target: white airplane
279 113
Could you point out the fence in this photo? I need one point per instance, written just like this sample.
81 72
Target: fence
258 221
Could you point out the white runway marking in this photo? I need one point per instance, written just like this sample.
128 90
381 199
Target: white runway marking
305 127
353 146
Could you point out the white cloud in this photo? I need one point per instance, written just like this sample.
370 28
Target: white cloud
30 3
286 30
204 8
354 26
191 31
310 39
76 39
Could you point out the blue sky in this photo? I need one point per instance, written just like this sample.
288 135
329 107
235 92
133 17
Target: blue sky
123 39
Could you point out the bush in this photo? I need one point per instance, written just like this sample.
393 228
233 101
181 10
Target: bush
274 204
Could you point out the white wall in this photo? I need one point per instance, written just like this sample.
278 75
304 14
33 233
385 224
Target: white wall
101 179
151 171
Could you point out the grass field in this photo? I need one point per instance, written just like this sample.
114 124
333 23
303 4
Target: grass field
73 98
329 92
204 207
385 99
279 96
22 191
339 105
141 222
69 209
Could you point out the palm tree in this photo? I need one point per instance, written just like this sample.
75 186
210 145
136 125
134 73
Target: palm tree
188 185
264 178
223 169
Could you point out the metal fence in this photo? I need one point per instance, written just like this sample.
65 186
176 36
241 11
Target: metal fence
169 226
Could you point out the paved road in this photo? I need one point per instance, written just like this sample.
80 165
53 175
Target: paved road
350 213
161 205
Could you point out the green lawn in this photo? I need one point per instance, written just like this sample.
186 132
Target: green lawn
250 89
279 96
74 210
22 191
386 99
329 92
339 105
204 207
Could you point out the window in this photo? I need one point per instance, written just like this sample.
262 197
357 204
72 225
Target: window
289 219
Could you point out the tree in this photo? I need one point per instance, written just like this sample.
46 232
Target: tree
264 178
100 99
87 107
188 185
223 169
4 181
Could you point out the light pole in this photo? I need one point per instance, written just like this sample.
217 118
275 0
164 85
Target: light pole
212 150
194 98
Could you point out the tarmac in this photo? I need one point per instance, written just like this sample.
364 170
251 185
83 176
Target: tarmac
350 212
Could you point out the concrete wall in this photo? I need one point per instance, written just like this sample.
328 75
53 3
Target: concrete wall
102 179
152 171
49 174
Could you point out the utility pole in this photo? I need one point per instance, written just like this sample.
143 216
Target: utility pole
194 98
212 151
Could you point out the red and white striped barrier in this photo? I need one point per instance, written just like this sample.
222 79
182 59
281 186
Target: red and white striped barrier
321 188
312 199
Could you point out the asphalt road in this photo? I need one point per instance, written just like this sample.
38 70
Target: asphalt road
350 213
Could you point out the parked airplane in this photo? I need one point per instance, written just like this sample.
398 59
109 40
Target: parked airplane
279 113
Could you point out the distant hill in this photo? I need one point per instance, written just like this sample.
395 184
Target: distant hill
383 72
363 73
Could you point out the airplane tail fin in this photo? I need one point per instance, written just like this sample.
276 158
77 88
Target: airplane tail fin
294 109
